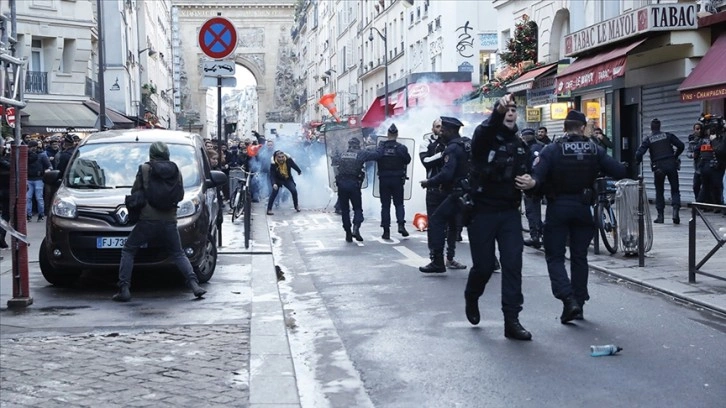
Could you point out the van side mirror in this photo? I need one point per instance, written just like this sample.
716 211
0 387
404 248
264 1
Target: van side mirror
217 178
51 177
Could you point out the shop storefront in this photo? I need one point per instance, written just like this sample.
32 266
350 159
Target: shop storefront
45 118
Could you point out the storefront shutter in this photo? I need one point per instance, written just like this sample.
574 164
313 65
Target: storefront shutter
663 102
554 126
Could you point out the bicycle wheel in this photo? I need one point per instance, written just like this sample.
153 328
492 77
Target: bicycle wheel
608 226
247 217
239 204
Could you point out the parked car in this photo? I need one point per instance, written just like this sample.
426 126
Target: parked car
88 222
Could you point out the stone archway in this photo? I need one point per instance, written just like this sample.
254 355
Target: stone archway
560 28
263 42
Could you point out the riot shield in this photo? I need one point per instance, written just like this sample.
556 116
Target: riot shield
408 185
336 143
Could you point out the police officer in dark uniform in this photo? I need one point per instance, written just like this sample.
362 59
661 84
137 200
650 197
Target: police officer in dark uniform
532 202
432 158
394 158
498 155
566 171
349 178
710 161
450 178
664 162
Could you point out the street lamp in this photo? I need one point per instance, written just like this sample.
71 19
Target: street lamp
385 60
152 52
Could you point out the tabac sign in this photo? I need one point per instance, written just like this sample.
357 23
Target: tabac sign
657 17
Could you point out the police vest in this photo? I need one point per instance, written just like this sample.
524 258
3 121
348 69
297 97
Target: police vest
462 165
660 147
506 160
349 166
391 162
576 165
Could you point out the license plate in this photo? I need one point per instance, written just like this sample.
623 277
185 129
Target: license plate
110 242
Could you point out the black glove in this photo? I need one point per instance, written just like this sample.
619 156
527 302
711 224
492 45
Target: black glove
299 172
425 184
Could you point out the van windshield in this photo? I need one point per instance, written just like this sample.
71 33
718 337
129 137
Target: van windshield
114 165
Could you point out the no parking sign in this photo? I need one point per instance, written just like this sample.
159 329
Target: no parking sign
218 38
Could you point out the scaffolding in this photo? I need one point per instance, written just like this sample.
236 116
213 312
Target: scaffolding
12 78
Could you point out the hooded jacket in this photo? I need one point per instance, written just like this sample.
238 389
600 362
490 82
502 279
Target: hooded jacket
159 154
276 176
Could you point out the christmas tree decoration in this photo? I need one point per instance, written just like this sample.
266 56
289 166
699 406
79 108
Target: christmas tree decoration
523 46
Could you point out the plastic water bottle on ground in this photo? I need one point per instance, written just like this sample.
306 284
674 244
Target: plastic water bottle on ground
606 350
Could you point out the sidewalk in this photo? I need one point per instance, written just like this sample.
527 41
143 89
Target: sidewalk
666 264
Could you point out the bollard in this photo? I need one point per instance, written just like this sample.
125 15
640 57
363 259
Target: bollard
18 193
641 223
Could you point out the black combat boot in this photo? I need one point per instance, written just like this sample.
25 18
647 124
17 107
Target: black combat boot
676 215
659 218
514 330
123 295
472 309
356 233
198 291
533 242
348 235
436 265
386 233
570 309
581 315
402 230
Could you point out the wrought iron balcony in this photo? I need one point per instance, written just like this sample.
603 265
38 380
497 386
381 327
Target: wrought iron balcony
36 82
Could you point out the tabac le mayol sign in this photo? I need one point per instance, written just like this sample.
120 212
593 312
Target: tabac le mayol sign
657 17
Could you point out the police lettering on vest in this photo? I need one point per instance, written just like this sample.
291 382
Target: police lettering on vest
660 147
577 167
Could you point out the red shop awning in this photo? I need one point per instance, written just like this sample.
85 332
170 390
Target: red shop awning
375 115
526 81
437 93
595 69
708 79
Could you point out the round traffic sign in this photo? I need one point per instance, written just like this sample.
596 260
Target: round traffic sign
10 116
218 37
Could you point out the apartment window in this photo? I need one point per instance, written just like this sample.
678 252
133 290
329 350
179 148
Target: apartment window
438 22
426 8
36 55
418 13
431 28
69 50
610 9
410 22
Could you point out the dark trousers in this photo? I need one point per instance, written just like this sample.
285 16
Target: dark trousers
696 184
349 195
148 231
711 186
449 232
288 184
504 227
442 219
533 211
666 169
391 188
568 217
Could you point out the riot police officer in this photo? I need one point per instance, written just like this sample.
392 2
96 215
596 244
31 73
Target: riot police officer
498 155
349 178
394 158
432 158
664 162
566 171
710 159
453 172
533 203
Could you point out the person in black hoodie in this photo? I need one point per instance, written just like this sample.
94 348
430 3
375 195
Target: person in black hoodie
38 164
155 225
281 175
498 155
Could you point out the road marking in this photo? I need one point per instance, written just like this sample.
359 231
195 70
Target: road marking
411 259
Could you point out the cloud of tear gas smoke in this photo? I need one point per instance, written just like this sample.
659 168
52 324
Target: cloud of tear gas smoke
315 191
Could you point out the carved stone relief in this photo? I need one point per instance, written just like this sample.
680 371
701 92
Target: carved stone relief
251 38
258 59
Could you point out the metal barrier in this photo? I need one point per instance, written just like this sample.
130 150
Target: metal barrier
693 267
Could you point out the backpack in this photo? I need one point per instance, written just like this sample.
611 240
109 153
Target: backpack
160 192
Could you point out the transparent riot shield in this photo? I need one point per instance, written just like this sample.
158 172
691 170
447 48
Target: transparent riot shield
408 185
336 143
626 202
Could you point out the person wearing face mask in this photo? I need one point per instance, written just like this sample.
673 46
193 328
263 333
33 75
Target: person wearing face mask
498 155
281 175
450 181
566 170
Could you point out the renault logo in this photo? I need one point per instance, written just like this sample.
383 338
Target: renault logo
122 215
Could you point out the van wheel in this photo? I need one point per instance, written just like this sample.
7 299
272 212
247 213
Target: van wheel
54 276
205 269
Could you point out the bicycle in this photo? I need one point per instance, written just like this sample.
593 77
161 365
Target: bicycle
605 217
241 199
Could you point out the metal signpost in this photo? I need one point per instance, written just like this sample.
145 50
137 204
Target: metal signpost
218 40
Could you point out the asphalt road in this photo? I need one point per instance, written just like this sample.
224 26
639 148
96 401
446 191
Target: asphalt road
368 329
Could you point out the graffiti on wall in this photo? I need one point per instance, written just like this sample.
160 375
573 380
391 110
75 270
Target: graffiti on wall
466 41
